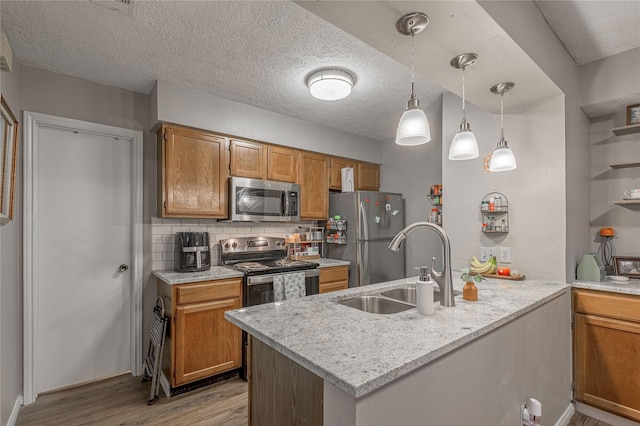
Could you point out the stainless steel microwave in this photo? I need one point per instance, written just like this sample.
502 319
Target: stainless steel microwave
263 200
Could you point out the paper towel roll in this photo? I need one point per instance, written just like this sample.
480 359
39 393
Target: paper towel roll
347 179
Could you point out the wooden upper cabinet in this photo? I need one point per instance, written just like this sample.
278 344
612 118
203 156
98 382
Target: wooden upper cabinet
192 173
335 175
368 177
248 159
314 186
283 163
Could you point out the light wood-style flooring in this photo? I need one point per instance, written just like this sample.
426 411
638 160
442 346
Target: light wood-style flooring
123 400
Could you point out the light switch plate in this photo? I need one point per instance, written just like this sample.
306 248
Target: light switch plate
505 255
486 253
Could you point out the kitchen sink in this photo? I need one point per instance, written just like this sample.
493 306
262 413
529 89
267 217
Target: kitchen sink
376 304
408 294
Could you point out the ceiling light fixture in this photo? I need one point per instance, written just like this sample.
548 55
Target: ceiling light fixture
413 128
330 84
502 159
464 145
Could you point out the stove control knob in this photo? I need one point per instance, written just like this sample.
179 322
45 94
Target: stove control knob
235 244
278 243
226 245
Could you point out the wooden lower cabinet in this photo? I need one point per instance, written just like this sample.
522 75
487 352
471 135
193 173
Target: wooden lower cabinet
334 278
607 351
201 342
282 392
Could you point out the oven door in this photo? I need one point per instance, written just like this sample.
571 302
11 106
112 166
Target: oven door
259 288
261 200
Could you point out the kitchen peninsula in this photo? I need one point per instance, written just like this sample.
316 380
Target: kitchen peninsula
474 363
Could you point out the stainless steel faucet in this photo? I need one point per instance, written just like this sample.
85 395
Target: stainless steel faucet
443 278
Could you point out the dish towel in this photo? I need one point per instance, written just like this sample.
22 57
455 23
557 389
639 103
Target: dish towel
288 286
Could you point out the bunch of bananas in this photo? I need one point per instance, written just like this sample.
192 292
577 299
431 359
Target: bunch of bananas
488 267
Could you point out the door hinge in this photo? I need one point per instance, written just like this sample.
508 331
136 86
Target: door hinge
573 385
174 376
175 319
573 325
165 204
166 138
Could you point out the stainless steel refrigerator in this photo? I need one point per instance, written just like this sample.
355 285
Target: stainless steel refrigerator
373 219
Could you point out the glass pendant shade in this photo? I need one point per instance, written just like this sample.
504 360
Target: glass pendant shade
464 145
502 159
413 128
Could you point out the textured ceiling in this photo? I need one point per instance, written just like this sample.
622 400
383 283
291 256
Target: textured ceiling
257 53
260 52
592 30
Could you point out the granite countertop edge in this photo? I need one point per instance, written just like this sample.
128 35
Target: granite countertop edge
627 287
372 381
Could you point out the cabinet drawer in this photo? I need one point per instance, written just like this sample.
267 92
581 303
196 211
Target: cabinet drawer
622 306
334 286
338 273
208 290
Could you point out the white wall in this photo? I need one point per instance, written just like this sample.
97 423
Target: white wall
535 189
202 110
11 271
411 170
611 80
609 184
524 22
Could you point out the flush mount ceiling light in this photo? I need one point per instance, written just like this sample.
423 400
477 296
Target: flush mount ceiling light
464 145
330 84
413 128
502 159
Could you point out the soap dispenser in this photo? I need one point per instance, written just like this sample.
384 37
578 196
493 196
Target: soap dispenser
424 292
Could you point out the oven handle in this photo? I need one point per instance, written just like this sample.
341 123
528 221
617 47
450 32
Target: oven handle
266 279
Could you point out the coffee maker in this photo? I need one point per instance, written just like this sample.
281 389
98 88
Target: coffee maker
191 252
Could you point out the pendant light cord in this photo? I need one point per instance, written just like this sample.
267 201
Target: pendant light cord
464 113
413 95
501 117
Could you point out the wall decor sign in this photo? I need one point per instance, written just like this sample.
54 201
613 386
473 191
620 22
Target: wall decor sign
9 149
627 266
633 114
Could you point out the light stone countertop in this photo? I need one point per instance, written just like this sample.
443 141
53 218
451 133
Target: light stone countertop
328 263
627 287
359 352
214 273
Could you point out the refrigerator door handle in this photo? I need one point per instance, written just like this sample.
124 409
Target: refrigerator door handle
364 264
363 223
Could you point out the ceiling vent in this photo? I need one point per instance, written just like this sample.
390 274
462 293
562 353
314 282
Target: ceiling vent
6 54
124 7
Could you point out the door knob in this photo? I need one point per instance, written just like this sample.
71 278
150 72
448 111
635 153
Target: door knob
123 268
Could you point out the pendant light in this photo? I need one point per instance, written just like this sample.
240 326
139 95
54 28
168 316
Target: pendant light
413 128
464 145
502 159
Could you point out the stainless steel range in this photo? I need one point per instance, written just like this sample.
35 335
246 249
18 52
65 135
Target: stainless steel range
265 265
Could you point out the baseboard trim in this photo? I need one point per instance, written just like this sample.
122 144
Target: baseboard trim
604 416
566 416
13 418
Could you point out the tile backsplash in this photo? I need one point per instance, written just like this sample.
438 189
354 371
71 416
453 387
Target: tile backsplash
163 234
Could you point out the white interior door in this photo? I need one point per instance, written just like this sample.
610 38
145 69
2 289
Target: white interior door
83 234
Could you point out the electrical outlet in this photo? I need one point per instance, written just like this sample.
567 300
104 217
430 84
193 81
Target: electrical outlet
486 253
505 255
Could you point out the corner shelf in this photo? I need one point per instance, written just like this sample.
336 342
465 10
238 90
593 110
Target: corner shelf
626 165
627 202
626 130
